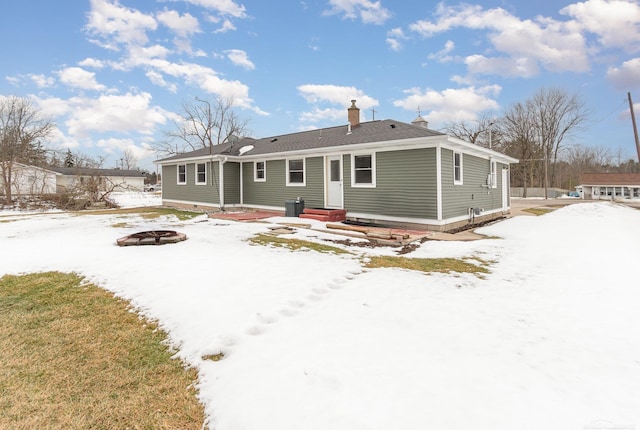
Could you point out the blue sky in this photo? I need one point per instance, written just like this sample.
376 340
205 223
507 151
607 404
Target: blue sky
114 74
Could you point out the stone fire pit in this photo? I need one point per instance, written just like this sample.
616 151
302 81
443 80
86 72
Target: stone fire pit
152 237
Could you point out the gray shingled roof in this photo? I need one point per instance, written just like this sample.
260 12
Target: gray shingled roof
74 171
366 132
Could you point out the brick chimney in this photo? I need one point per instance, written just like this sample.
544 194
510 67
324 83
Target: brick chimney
354 114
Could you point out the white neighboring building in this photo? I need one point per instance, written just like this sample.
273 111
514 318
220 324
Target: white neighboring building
31 180
110 179
609 186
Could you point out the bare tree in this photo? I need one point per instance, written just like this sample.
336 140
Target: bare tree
21 129
203 124
517 126
85 161
129 160
481 132
557 115
584 159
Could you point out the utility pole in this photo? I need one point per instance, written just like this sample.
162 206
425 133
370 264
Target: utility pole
373 114
635 128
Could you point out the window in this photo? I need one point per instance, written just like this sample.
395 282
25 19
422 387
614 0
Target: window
493 177
260 171
457 168
182 173
201 173
363 170
335 175
295 172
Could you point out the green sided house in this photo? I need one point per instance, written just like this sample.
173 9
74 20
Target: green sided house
380 172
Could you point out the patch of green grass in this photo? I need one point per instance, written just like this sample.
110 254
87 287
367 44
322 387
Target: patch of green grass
214 357
294 244
146 212
538 211
430 265
75 357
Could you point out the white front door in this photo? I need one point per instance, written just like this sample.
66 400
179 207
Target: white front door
334 181
505 189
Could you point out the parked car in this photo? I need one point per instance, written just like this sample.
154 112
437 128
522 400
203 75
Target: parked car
573 194
153 187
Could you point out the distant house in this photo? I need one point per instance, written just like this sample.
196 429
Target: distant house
609 186
110 179
382 172
31 180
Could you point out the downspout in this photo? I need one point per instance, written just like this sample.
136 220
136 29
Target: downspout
439 181
219 184
221 173
241 184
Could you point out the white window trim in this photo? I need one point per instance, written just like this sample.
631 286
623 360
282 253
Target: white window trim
373 170
304 172
494 174
255 171
205 174
178 174
461 180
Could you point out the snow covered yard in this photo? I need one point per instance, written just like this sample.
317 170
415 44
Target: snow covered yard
549 339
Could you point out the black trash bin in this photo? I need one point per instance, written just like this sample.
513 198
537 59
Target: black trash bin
293 208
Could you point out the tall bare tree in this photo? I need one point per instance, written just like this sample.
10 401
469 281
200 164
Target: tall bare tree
22 126
128 161
203 124
557 116
517 126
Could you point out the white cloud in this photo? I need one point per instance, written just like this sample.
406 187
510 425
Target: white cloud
626 76
117 25
77 77
240 58
183 25
224 7
443 56
207 80
53 106
226 26
141 55
335 94
92 62
157 78
113 113
553 45
615 22
42 81
523 67
395 38
338 96
317 115
117 147
14 80
461 104
369 12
